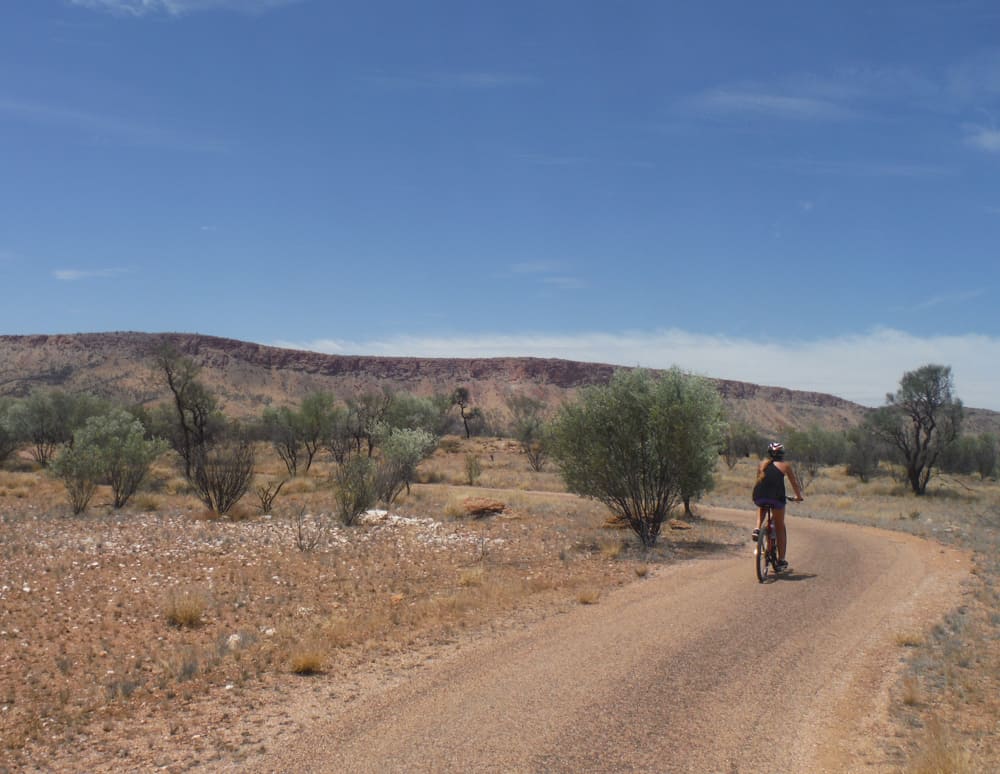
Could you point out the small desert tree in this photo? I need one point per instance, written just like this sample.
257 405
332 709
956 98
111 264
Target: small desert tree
47 419
698 434
527 427
920 420
470 415
620 445
218 457
402 450
355 486
741 439
864 450
117 440
9 442
80 470
282 427
221 473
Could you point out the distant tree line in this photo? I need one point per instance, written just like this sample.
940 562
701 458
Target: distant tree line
642 444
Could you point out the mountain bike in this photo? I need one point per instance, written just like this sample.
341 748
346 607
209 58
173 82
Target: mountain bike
765 552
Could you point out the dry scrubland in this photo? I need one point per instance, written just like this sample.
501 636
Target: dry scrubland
159 637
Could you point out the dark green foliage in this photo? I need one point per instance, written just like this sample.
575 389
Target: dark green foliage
118 442
356 488
625 444
920 421
527 427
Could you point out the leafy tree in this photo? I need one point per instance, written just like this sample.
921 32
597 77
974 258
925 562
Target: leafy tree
46 420
316 416
283 428
741 439
9 442
118 443
698 434
355 486
985 455
920 420
460 397
401 452
621 444
527 427
864 451
218 457
197 421
80 470
366 418
413 412
814 448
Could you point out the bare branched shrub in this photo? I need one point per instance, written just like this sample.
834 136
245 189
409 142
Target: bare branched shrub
221 474
356 486
473 469
267 493
308 537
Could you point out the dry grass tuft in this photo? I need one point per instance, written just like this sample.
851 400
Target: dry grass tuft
939 754
184 609
911 693
588 596
909 639
307 660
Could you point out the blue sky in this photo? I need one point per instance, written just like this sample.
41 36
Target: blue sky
802 194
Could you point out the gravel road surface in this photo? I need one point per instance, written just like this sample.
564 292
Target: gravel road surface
697 668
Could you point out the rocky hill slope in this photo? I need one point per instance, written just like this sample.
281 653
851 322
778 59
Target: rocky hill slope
247 377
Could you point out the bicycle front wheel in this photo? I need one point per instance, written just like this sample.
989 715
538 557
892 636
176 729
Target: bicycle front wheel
760 554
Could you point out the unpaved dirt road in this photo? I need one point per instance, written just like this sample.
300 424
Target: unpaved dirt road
697 669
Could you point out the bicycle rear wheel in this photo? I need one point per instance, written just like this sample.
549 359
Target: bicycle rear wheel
760 554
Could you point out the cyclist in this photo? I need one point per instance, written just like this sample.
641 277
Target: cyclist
770 490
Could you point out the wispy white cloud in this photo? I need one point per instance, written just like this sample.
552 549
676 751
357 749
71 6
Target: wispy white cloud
983 138
73 275
948 299
137 8
841 168
765 104
861 368
101 126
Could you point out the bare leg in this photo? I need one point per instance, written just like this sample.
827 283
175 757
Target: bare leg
760 517
779 527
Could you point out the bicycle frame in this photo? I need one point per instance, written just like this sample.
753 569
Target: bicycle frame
766 550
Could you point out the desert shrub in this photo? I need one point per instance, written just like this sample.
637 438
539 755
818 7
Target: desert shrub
473 469
80 470
356 488
221 473
527 426
118 442
47 419
402 450
741 439
620 445
267 493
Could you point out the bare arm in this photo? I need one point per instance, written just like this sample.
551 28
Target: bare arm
792 479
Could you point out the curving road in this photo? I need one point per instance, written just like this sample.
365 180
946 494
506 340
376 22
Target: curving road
697 669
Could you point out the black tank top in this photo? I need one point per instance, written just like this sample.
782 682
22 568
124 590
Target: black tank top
773 485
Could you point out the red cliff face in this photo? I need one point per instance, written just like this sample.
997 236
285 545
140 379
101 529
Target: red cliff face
249 376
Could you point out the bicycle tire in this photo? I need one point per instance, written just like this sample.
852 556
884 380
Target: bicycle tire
761 554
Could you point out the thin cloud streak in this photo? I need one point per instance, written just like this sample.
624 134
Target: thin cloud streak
137 8
860 368
73 275
95 124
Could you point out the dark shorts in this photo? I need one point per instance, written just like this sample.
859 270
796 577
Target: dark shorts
773 502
